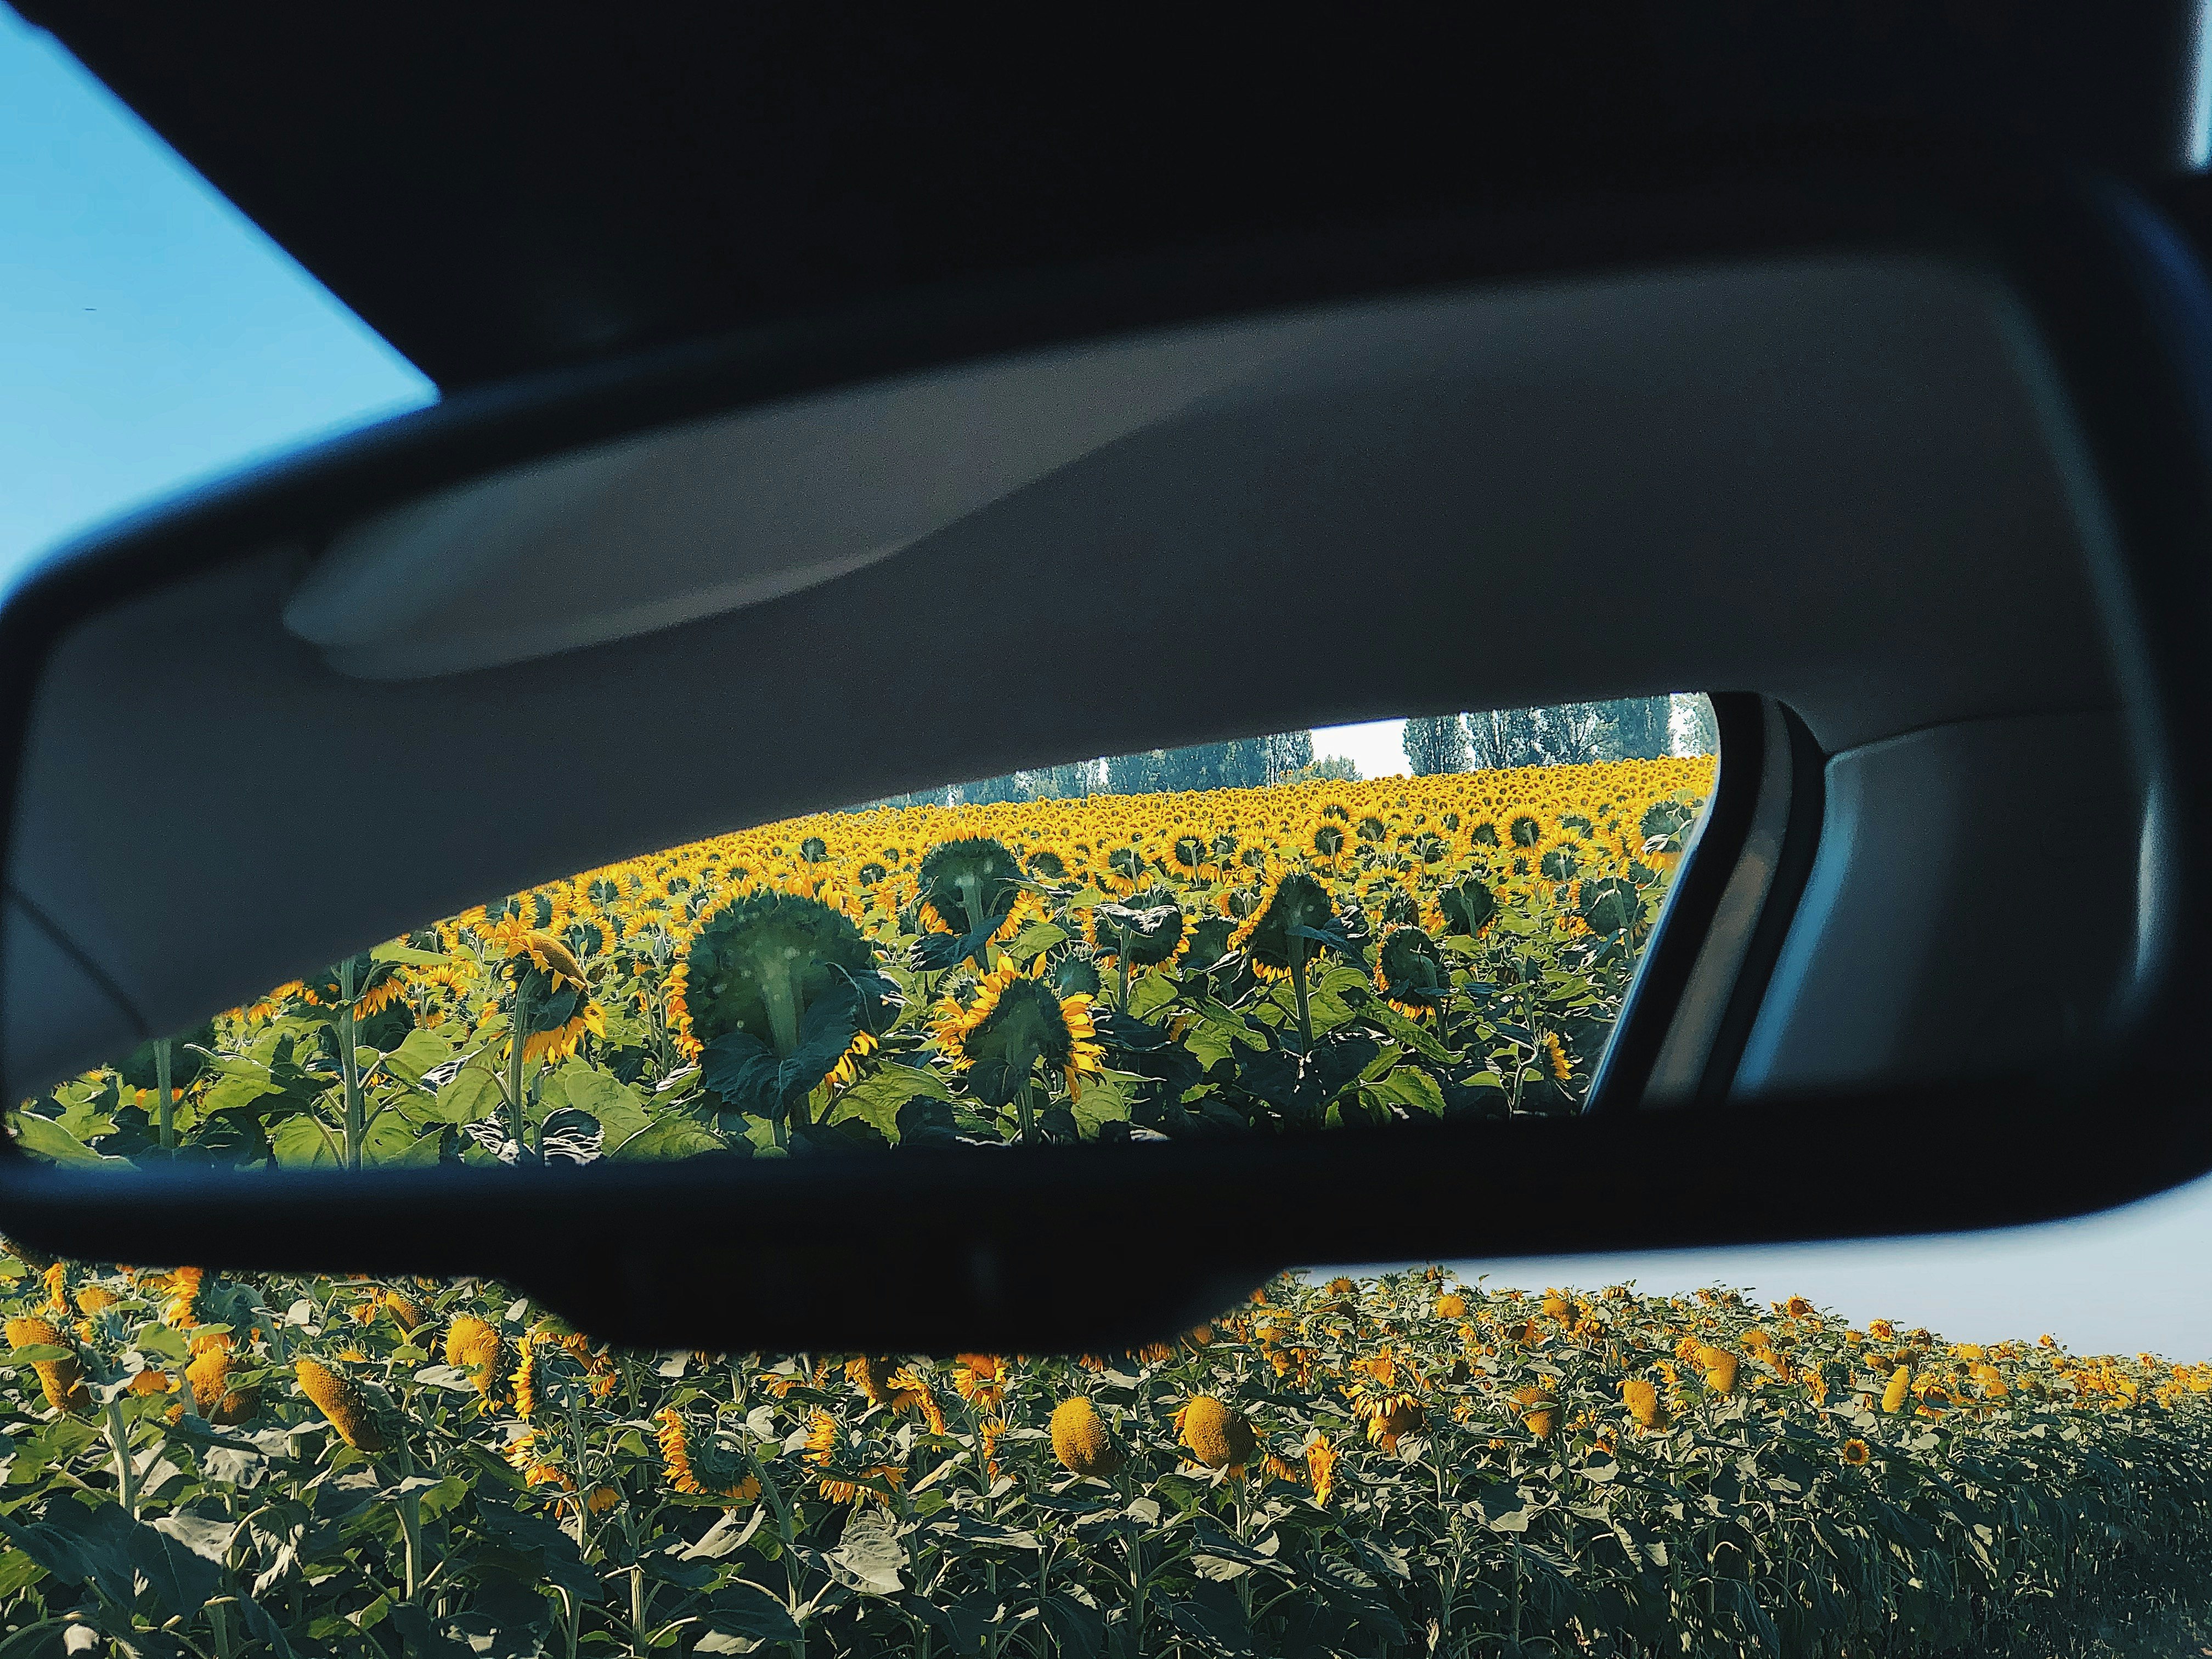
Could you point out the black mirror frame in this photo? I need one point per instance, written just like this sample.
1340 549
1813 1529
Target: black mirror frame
1046 1249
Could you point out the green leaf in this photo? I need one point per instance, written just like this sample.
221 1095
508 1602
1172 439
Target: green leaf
420 1051
473 1094
870 1555
1034 940
407 956
1414 1089
877 1098
1411 1034
48 1139
299 1144
619 1109
671 1136
1150 993
1100 1100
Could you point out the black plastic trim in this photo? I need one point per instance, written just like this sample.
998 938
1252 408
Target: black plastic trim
1801 841
1670 957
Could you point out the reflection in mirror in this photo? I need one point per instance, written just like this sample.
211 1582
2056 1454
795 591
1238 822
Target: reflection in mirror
1244 937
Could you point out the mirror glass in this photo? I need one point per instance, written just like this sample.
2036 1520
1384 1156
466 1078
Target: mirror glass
1258 936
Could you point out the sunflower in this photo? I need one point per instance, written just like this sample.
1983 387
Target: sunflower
207 1377
1857 1452
969 883
1539 1410
1720 1367
1016 1021
1555 1058
62 1378
1148 932
1411 972
759 965
1215 1433
1643 1404
1325 840
1899 1386
1081 1440
1293 900
1321 1467
551 1001
1451 1305
473 1347
340 1401
1189 855
1384 1399
980 1379
707 1469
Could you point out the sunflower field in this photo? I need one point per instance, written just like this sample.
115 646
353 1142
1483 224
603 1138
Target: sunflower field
224 1467
1232 961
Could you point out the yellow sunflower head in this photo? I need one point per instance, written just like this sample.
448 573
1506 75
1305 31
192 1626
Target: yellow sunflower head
1015 1022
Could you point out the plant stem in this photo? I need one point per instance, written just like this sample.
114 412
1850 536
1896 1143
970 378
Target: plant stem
126 1477
1298 990
165 1093
1025 1109
350 1067
518 1035
1122 1002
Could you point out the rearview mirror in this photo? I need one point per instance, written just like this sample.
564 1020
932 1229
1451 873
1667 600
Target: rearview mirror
1912 482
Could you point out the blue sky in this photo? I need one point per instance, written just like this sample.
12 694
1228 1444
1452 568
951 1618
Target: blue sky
151 337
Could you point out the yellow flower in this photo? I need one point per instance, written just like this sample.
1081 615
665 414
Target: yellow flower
61 1379
1643 1404
980 1379
524 1380
1539 1413
1321 1467
725 1479
1900 1384
1720 1368
1451 1305
1070 1036
1080 1439
473 1347
208 1378
872 1377
1856 1452
336 1397
1217 1434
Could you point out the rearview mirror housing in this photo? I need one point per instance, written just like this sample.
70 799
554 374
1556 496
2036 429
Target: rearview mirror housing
367 581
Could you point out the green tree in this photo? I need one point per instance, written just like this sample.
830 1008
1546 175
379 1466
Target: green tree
1436 744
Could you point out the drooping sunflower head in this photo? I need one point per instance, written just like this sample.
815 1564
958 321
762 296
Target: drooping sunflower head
1080 1439
1216 1433
759 963
966 883
1016 1021
1411 972
1293 900
548 984
1522 829
703 1465
1150 925
1075 976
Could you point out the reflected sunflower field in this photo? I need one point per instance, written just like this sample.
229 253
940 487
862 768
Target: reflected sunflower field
229 1466
1294 958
